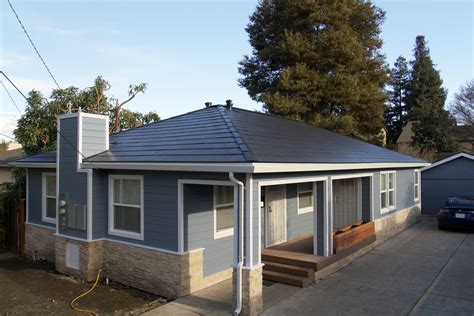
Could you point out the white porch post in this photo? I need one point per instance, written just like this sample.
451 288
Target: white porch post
329 219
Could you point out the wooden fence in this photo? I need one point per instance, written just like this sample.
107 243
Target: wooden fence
15 226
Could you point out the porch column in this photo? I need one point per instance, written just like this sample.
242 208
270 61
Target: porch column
320 218
330 217
252 300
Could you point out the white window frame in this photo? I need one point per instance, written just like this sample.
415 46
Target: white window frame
416 186
44 197
388 190
228 231
120 232
305 209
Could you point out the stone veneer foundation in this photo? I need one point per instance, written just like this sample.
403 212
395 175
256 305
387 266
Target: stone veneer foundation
252 298
164 273
90 258
390 225
39 242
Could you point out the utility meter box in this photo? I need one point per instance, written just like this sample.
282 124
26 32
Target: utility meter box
76 216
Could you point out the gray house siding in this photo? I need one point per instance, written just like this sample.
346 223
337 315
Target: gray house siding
199 229
160 206
34 198
455 177
72 184
297 224
94 131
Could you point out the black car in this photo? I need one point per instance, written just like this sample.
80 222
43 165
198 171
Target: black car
457 212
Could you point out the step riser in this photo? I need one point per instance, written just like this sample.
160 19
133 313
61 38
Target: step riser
287 280
291 262
287 270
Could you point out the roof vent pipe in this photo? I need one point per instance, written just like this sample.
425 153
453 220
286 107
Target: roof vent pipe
208 104
229 104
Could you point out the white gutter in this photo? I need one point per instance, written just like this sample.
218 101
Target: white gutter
240 259
246 167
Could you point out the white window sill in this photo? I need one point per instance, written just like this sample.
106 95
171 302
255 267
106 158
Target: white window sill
224 233
388 209
305 210
126 234
49 220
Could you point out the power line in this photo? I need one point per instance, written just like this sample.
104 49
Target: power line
13 101
7 136
32 44
29 102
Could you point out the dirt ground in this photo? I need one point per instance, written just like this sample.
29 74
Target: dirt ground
33 288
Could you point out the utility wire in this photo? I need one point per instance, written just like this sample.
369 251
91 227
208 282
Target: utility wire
29 102
6 90
32 44
7 136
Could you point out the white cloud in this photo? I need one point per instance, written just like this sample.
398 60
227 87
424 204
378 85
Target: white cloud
60 31
14 59
28 84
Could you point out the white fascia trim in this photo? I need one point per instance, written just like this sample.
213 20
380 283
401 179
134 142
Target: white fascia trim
299 167
246 167
203 167
465 155
33 165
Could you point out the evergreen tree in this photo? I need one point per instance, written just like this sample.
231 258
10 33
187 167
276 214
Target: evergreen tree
320 62
398 114
426 97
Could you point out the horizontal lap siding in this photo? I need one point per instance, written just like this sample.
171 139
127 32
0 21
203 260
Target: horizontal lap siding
199 229
71 183
34 198
297 224
452 178
94 131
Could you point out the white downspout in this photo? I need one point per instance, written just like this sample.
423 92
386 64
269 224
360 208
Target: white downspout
240 258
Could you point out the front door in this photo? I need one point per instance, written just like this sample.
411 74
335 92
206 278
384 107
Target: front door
275 215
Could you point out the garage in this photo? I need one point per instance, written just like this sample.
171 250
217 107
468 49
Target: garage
451 176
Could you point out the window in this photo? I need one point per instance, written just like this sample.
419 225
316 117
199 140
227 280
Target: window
417 185
305 197
126 206
49 198
387 191
223 211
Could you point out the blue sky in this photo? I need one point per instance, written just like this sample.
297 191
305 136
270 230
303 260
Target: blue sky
188 52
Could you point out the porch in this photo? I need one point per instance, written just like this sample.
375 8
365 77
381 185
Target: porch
294 263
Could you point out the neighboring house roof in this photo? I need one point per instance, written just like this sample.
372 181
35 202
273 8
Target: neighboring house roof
459 133
8 156
231 135
46 158
467 155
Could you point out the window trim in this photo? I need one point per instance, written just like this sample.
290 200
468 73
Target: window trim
44 197
389 208
307 209
120 232
228 231
416 187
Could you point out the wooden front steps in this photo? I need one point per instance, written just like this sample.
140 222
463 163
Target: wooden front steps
295 268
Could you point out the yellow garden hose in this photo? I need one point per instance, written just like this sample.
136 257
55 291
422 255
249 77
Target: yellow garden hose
84 294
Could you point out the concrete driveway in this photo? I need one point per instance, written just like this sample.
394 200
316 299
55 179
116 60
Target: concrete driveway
422 271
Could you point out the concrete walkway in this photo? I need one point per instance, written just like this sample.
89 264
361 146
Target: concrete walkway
422 271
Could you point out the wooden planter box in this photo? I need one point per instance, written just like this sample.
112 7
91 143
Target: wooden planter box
350 235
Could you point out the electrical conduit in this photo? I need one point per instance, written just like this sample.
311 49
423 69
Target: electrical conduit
240 247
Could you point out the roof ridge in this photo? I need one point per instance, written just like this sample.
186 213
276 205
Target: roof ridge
244 148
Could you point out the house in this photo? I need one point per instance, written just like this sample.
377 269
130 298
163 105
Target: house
463 135
451 176
8 152
183 203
